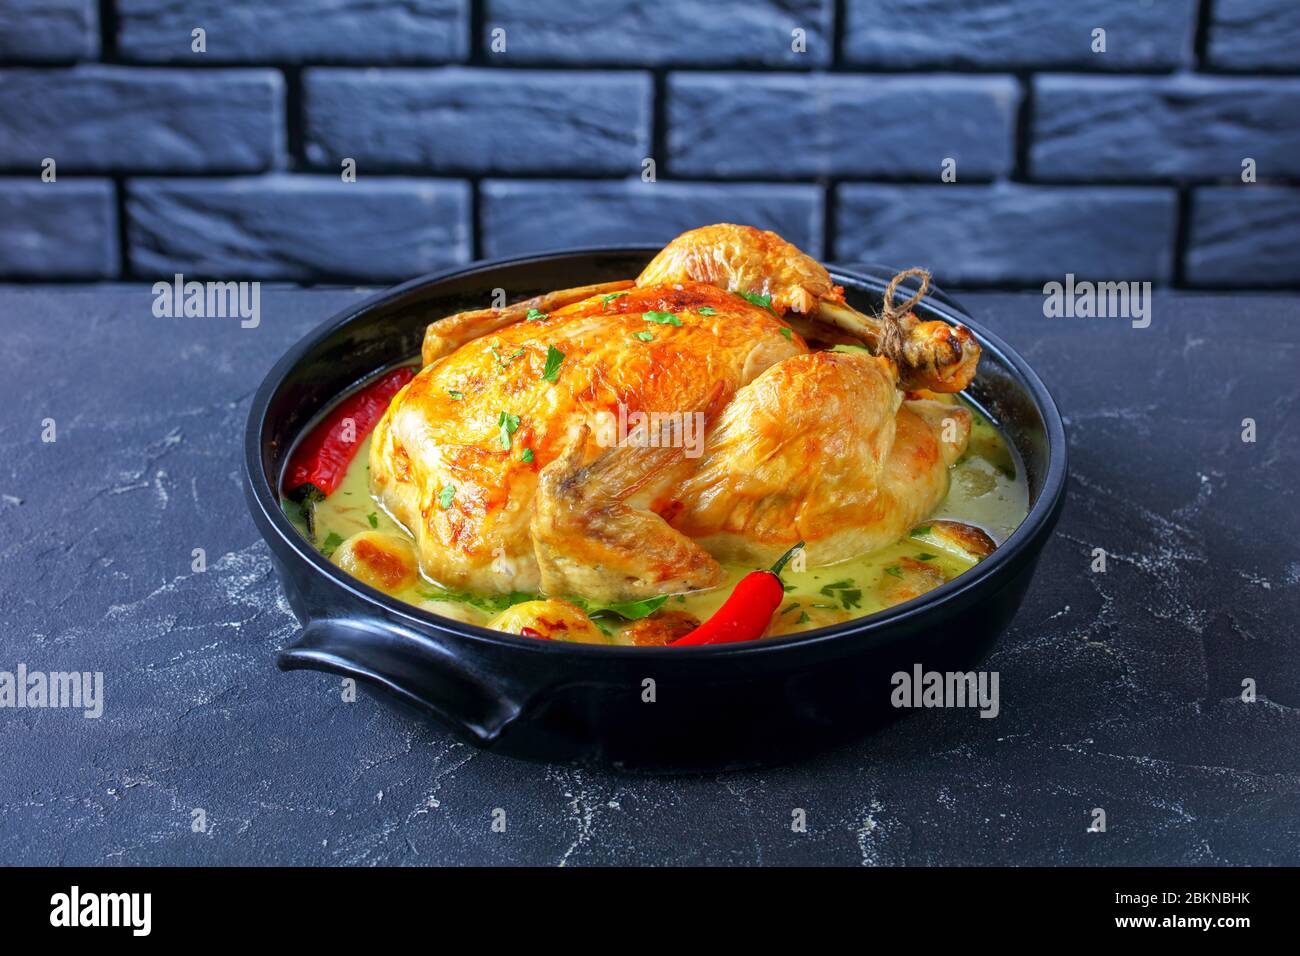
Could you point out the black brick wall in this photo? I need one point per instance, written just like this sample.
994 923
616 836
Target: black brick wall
1125 164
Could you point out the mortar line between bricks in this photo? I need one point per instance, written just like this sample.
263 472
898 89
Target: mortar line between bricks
107 15
838 70
475 54
1201 32
830 190
448 176
1182 238
295 118
1022 130
475 219
659 119
839 10
123 245
209 63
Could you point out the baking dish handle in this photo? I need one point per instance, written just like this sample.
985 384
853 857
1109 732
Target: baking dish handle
414 668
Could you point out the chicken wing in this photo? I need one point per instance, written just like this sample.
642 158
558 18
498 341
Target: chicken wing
590 541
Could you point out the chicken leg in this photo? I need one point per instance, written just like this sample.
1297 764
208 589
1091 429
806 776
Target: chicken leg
930 355
820 448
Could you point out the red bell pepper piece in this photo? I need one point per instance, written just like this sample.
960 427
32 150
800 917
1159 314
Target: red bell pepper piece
322 458
747 612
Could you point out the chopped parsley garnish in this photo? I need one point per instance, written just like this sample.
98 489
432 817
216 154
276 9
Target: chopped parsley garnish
455 395
926 556
611 297
646 336
492 603
789 607
895 570
331 543
554 358
803 618
847 594
762 301
373 519
837 586
787 333
445 496
663 318
924 529
507 424
503 362
536 315
707 310
629 610
527 456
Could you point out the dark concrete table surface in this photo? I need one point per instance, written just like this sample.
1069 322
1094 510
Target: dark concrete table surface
1119 690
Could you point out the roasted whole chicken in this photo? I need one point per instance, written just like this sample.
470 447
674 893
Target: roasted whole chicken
619 441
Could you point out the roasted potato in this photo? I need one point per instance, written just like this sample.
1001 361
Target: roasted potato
965 540
382 560
552 619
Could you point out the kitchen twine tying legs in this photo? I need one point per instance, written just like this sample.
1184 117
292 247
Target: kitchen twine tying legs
893 316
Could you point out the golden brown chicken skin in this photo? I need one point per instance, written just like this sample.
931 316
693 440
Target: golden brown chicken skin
820 448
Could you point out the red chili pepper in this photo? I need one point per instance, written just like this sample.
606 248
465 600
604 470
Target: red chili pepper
321 459
530 632
747 612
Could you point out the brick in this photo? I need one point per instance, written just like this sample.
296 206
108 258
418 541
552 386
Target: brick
668 32
106 118
1105 128
66 229
1245 235
478 121
291 227
39 31
295 31
793 125
1018 34
536 215
1009 234
1254 35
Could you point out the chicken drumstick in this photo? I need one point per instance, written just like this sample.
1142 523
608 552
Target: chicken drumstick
930 355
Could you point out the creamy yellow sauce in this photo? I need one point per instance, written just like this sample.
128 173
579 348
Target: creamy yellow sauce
987 489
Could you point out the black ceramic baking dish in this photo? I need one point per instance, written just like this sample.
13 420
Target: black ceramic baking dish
713 707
